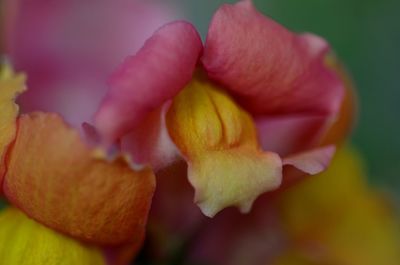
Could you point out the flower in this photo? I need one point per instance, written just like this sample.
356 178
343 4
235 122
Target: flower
256 99
255 104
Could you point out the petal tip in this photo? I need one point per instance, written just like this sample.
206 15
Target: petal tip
312 162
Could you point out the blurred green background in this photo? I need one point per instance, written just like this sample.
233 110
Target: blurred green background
366 36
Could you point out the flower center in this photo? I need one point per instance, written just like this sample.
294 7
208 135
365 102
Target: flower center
219 141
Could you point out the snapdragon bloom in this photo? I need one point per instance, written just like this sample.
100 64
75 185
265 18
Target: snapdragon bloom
253 101
252 106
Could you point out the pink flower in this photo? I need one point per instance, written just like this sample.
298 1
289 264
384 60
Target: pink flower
68 48
254 101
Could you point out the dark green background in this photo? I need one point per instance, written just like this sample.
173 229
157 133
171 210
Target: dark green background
366 36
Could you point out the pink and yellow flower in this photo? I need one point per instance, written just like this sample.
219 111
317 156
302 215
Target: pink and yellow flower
254 100
254 107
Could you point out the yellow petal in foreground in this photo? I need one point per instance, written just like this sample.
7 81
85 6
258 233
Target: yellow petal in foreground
11 85
24 241
219 141
61 182
335 218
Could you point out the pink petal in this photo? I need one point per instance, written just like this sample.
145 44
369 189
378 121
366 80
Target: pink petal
147 80
289 134
150 142
68 48
312 162
173 209
232 238
269 69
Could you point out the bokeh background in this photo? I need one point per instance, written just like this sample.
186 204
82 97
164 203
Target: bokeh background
366 35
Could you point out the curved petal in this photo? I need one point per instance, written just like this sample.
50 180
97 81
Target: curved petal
331 218
268 68
149 142
290 134
347 116
68 48
312 162
144 82
24 241
11 85
61 182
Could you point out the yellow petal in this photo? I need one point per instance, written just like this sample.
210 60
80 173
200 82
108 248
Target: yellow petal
11 85
324 194
23 241
336 218
219 141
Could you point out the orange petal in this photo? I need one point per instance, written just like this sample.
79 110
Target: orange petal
24 241
347 116
61 182
11 85
226 165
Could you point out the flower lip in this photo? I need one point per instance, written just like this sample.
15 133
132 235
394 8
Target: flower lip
219 142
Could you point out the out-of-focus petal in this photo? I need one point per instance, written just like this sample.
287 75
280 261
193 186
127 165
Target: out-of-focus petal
61 182
11 85
121 254
331 218
218 139
144 82
268 68
295 257
231 238
335 218
311 162
347 116
174 219
290 134
69 48
319 193
24 241
149 142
